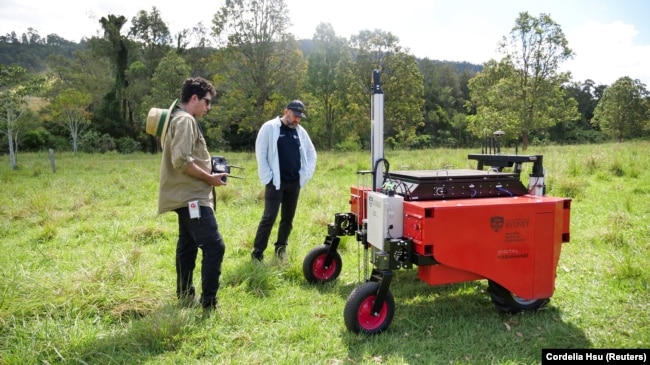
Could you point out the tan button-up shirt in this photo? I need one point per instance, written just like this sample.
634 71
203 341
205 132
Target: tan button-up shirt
183 144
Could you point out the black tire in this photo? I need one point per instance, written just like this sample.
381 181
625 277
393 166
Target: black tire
507 302
358 310
313 267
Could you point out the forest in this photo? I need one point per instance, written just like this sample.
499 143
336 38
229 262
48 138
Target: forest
94 96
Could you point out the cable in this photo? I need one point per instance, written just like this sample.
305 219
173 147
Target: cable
504 190
386 167
405 190
530 191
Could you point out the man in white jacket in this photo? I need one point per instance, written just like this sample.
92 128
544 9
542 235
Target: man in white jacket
286 160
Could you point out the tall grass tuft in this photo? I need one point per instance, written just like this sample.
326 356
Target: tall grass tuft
570 188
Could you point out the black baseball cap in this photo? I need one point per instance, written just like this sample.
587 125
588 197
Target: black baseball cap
298 108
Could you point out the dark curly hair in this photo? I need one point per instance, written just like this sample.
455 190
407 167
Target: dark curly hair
196 85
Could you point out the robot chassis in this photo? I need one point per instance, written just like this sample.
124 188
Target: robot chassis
454 225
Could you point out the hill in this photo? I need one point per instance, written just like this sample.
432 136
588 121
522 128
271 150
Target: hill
33 56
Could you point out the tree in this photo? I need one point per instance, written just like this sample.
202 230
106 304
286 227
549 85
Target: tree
69 110
405 89
165 87
261 62
582 131
523 93
402 83
444 115
57 41
152 31
329 53
118 51
623 112
33 37
85 71
138 94
16 87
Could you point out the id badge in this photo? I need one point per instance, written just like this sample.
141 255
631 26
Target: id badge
195 211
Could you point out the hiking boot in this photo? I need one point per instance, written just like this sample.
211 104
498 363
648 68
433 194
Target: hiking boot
212 308
281 252
256 257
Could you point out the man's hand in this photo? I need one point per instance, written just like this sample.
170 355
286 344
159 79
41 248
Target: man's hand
196 172
219 179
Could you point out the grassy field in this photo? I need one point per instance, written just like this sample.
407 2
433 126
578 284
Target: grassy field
88 276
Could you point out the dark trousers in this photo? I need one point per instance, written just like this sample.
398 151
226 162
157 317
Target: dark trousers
193 234
287 198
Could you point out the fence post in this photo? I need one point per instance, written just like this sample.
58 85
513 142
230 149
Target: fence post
52 160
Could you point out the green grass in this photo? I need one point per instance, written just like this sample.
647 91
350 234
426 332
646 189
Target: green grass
87 273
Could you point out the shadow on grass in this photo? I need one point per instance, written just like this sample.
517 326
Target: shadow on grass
455 323
430 334
448 330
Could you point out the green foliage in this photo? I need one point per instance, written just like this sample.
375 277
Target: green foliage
167 80
258 66
261 63
326 62
107 118
128 145
93 142
85 71
33 56
445 119
117 48
522 93
350 144
69 109
59 143
28 141
151 30
35 140
623 112
421 142
16 87
401 81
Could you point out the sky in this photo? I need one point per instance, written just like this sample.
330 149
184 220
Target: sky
610 38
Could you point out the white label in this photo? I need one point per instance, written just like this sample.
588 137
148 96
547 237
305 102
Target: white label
195 211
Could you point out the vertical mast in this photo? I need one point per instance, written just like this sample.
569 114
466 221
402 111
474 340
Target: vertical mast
377 129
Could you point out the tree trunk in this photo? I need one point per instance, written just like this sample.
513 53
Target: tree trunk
12 154
524 141
75 139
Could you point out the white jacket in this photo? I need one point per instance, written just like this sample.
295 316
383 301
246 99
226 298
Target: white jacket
266 152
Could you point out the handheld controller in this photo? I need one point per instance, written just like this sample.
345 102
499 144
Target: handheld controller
220 165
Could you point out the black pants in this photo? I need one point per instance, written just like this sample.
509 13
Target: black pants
287 198
193 234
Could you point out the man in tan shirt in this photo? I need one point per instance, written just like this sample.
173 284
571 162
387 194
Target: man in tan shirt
187 188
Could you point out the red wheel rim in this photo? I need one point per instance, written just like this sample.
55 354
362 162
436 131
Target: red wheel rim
319 270
366 319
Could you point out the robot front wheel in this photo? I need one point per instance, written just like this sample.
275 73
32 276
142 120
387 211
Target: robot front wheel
314 266
358 314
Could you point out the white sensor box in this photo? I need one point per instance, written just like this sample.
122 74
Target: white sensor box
385 218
